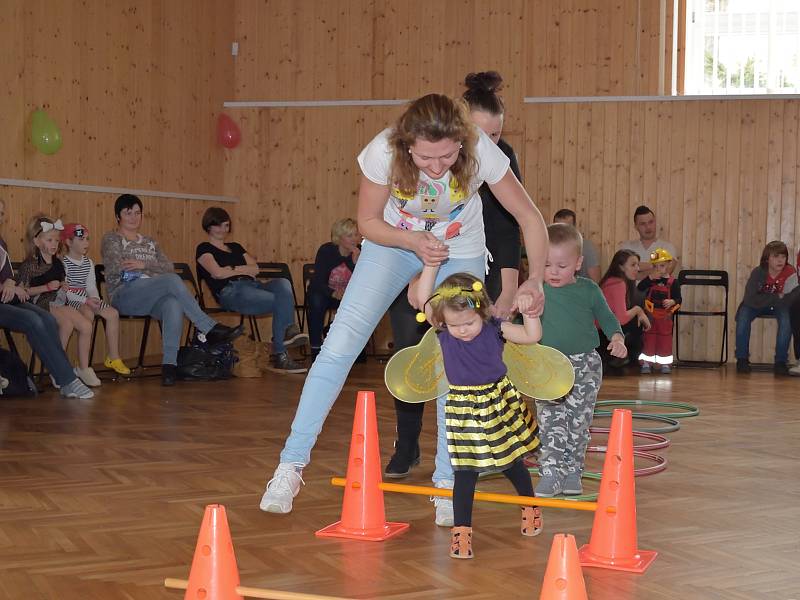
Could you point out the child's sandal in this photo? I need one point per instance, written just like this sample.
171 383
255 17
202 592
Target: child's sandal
532 521
461 542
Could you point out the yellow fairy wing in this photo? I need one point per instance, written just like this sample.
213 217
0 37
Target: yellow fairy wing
416 374
538 371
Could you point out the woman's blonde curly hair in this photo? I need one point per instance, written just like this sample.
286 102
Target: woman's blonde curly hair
433 118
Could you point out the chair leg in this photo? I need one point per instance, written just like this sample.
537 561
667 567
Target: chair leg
254 327
143 346
94 339
10 339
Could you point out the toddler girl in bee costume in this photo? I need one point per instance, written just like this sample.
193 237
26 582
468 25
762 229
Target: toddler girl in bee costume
489 426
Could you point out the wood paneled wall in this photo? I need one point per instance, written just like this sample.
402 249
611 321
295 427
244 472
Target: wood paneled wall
135 88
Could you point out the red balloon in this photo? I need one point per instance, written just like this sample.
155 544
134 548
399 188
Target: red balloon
228 133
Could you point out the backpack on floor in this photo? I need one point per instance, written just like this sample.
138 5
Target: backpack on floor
14 380
204 362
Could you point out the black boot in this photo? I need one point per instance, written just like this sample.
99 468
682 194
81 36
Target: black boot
406 448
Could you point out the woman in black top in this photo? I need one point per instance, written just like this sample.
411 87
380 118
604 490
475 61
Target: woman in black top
230 273
504 245
333 267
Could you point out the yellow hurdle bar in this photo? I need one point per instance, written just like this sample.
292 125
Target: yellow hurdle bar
182 584
421 490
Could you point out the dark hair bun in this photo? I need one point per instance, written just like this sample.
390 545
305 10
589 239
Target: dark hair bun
486 81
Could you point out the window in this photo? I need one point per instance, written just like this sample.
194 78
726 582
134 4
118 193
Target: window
742 47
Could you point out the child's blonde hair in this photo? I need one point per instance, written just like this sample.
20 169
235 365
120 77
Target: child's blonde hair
460 292
342 228
564 233
32 231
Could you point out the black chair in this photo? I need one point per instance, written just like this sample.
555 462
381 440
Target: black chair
216 310
707 278
100 277
184 271
278 270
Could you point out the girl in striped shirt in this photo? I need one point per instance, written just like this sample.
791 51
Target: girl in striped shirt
82 292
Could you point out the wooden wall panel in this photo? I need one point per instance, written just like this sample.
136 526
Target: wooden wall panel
135 88
720 175
363 49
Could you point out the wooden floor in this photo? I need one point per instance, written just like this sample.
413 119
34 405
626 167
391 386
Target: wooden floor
103 498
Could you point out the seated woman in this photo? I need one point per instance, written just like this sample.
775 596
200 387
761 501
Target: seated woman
771 289
38 325
333 267
140 280
230 273
618 286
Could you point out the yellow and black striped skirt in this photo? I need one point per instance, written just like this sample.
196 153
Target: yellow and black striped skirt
489 427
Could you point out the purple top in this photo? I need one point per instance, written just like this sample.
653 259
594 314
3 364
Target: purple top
476 362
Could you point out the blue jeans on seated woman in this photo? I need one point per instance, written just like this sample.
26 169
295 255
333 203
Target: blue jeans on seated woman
251 297
41 331
745 317
380 274
166 298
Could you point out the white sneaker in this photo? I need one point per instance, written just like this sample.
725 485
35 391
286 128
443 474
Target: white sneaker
76 389
88 376
444 506
282 488
795 370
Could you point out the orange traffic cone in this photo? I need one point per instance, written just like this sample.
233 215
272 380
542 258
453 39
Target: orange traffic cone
363 516
613 544
214 574
563 579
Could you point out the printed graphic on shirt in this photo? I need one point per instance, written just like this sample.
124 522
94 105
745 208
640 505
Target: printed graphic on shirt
339 278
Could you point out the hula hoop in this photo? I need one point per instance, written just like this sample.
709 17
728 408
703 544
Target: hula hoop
660 463
672 424
659 441
689 409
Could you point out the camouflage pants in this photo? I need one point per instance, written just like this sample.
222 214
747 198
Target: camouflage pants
564 423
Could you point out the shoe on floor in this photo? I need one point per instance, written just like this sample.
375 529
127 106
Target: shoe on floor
461 542
116 365
222 334
532 521
572 485
169 373
401 463
88 376
76 389
284 363
645 370
282 488
549 485
294 338
444 505
743 365
795 370
666 369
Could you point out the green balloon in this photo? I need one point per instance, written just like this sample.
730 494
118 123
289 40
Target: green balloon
44 133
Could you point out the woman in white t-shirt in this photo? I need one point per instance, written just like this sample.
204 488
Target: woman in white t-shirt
417 204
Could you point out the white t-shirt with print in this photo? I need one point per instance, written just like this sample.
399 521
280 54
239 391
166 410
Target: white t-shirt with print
452 215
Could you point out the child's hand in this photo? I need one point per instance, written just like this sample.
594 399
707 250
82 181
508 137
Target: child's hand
93 303
669 303
534 292
524 304
617 346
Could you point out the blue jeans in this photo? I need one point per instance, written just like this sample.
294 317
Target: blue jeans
251 297
166 298
41 331
745 317
381 273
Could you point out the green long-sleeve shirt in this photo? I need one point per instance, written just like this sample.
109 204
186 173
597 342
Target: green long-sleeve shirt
570 312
